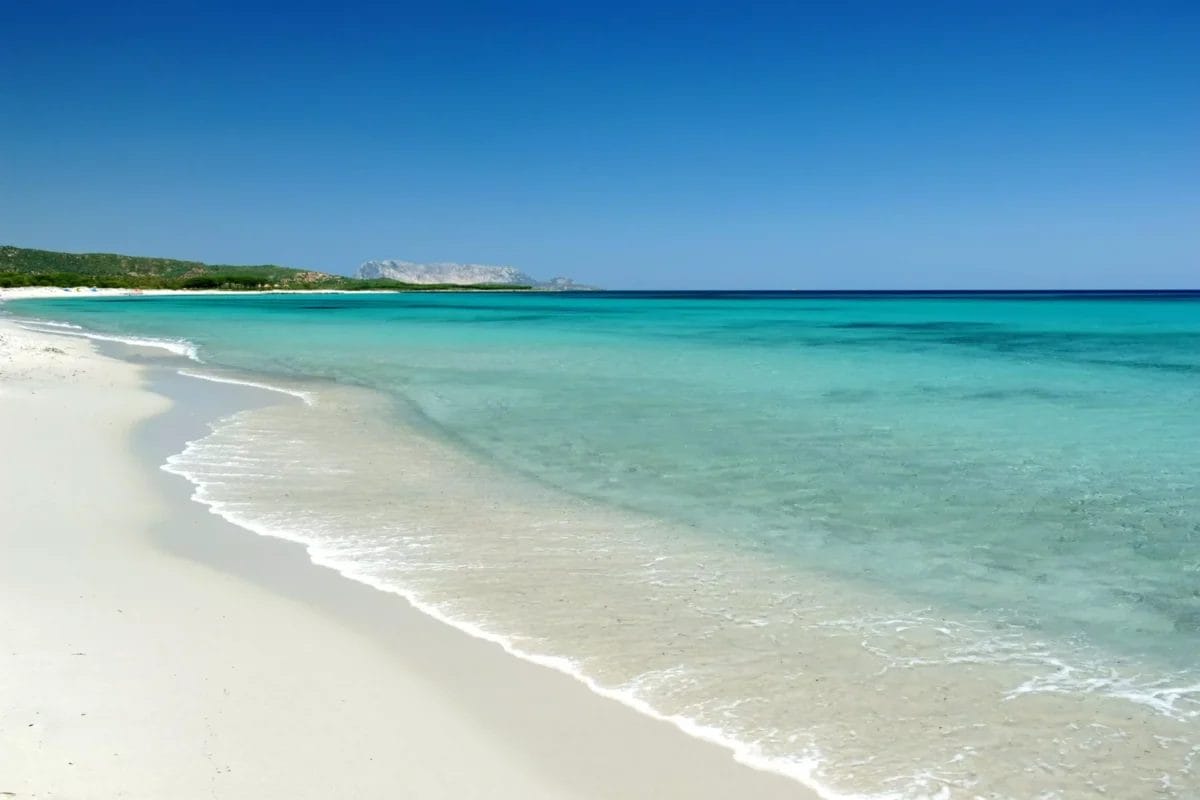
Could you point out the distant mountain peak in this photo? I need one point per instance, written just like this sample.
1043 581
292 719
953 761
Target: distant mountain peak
465 274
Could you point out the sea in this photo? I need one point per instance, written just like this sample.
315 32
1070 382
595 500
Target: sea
893 545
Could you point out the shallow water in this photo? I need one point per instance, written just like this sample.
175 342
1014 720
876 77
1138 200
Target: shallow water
896 546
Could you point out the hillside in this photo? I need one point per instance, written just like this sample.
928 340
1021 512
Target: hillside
26 267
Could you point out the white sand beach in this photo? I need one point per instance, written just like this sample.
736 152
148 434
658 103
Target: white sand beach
153 650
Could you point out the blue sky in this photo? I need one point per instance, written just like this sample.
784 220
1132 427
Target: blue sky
855 145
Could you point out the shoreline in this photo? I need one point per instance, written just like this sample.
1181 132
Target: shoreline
528 729
416 483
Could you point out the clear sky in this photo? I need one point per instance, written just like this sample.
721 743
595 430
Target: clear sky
642 145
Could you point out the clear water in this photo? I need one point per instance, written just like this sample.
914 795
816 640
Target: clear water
893 545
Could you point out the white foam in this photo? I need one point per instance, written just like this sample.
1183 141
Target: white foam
1159 695
309 398
803 770
1064 670
180 347
52 324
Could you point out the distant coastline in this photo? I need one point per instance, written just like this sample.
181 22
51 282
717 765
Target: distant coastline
29 268
84 291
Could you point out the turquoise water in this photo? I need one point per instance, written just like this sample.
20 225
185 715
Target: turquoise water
1013 474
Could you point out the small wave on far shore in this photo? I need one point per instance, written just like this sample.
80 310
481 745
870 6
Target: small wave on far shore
179 347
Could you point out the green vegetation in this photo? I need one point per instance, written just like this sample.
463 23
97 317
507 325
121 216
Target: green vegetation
24 267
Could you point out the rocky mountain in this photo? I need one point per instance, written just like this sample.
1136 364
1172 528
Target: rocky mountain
448 272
